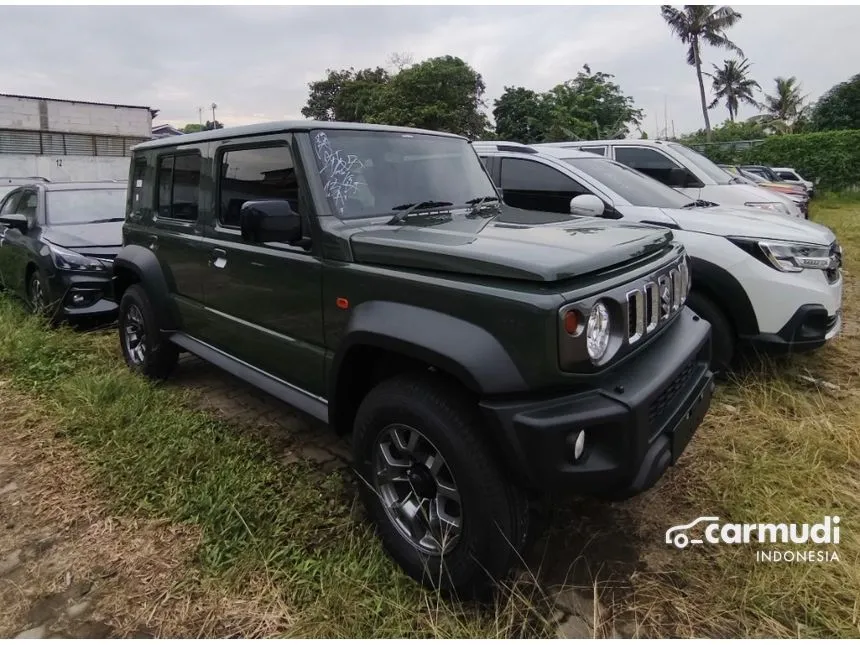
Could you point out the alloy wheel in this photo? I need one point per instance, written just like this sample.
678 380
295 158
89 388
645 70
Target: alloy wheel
135 335
417 489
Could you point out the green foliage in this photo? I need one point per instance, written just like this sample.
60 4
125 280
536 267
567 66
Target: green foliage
590 106
831 159
192 127
839 107
785 108
728 131
441 93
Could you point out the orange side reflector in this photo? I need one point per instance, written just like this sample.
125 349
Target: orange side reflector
571 322
342 303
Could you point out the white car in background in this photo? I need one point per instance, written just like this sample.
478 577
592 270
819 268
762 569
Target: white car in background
791 176
680 167
773 283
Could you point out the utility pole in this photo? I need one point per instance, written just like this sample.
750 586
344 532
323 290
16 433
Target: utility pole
200 116
213 114
665 117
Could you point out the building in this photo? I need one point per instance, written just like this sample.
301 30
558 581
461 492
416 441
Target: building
65 140
165 130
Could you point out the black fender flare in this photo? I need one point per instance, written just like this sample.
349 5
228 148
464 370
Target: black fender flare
141 262
722 287
464 350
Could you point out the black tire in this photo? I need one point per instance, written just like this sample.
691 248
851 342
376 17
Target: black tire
138 329
494 513
722 332
39 297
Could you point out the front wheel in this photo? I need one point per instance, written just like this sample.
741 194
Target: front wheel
722 332
439 501
143 347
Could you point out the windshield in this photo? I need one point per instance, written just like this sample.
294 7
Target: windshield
367 173
85 206
633 186
708 167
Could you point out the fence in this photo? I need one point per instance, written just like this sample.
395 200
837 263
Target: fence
37 142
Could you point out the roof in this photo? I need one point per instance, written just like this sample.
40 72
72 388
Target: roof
568 153
603 142
280 126
47 98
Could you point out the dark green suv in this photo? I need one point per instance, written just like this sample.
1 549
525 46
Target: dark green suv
478 355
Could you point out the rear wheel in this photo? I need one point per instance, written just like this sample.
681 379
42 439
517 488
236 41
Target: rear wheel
144 348
722 332
440 503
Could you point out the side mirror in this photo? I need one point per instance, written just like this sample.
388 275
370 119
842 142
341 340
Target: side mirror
587 205
678 177
270 221
16 221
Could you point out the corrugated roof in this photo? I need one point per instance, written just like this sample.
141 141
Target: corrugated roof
48 98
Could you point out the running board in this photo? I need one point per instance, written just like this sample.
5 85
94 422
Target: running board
315 406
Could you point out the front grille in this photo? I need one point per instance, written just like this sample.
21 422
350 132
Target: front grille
652 304
657 409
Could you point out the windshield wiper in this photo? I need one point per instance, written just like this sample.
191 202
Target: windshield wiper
699 203
477 202
407 209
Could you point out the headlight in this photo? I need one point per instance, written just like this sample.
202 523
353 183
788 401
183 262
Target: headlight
775 207
72 261
789 257
597 332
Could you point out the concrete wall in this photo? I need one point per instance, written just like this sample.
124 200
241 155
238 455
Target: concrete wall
64 168
78 118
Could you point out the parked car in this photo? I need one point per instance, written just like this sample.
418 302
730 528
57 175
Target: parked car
791 176
57 242
797 194
692 173
772 283
369 276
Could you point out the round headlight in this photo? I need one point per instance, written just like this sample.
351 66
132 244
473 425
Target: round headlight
597 331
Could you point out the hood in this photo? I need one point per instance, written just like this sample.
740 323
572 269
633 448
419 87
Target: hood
749 222
98 239
517 245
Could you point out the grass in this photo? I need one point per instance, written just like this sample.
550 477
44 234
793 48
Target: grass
773 448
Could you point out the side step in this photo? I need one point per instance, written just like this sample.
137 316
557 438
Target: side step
315 406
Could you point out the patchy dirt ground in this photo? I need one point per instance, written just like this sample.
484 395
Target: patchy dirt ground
71 569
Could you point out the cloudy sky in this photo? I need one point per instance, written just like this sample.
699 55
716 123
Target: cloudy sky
256 62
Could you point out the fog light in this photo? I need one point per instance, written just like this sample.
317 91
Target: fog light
78 299
578 442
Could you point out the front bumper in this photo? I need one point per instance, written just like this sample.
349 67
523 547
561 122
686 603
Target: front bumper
809 328
81 295
637 420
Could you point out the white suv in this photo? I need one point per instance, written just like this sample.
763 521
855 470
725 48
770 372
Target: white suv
773 283
692 173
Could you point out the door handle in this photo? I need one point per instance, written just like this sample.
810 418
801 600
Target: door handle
219 258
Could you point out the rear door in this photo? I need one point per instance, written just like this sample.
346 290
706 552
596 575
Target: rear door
264 299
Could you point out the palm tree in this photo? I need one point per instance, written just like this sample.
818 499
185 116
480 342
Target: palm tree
786 106
694 24
730 83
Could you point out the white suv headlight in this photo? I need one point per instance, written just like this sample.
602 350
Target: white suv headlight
776 207
790 257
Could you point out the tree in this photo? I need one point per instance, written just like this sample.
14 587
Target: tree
697 23
731 84
324 93
785 107
441 93
213 125
192 127
839 107
589 106
521 115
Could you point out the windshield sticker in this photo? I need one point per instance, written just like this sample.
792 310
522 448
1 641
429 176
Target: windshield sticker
337 170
